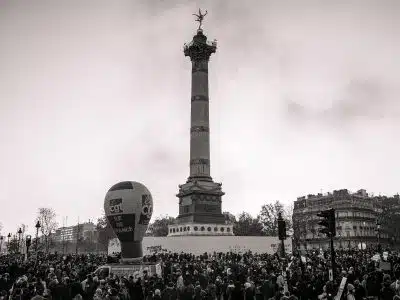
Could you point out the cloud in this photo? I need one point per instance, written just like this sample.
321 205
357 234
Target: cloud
358 100
94 92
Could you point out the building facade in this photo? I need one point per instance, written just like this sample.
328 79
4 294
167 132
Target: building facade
84 231
359 221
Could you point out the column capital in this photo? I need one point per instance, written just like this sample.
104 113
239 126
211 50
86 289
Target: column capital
199 48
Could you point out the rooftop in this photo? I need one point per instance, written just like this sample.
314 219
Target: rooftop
344 192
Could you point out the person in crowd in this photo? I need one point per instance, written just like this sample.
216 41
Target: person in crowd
350 292
387 293
210 276
359 290
396 284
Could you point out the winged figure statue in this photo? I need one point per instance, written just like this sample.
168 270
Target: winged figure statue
200 17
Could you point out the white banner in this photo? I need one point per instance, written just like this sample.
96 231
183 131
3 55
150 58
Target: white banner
199 244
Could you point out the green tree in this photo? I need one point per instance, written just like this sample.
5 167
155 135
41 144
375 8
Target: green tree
160 225
390 223
104 233
269 217
24 229
246 225
229 218
13 245
288 216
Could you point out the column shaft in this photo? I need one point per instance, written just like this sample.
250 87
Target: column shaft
200 130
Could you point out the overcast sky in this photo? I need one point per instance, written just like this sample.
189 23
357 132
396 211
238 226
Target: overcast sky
304 97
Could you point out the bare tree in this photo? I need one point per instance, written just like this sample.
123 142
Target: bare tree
47 218
229 218
302 224
269 217
246 225
24 229
288 216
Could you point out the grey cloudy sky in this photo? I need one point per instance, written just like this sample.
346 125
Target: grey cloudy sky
304 97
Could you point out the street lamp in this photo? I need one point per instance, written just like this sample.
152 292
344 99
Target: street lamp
378 234
19 239
365 237
340 239
28 241
37 234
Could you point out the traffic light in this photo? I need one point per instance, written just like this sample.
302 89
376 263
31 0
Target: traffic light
281 228
328 222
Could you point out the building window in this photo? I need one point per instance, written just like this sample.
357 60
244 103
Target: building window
202 228
215 228
195 228
209 229
222 229
188 228
228 230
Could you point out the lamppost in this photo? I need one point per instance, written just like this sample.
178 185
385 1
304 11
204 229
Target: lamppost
8 241
37 235
19 239
365 237
378 235
28 241
349 240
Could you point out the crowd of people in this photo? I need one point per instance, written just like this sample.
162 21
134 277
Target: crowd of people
216 276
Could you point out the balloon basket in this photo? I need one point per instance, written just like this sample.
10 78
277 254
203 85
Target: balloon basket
131 261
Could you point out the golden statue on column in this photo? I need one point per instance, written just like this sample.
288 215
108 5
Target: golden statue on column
200 18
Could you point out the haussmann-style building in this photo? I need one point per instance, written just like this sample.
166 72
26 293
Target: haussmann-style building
358 220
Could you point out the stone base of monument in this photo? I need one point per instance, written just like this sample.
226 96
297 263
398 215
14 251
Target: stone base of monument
200 229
